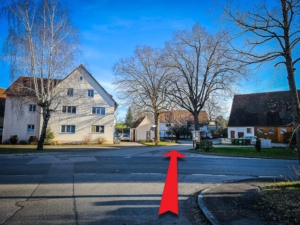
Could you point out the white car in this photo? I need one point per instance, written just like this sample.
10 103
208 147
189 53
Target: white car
125 137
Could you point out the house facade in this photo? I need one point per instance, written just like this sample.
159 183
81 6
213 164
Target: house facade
265 115
181 117
82 109
142 130
2 109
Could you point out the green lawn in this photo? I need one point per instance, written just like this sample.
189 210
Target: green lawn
278 153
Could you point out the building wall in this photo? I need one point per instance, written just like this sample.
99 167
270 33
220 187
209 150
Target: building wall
163 128
141 130
17 117
240 131
273 133
81 82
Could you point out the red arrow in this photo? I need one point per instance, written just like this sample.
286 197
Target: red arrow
169 200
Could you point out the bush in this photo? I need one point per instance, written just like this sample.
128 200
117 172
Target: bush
32 140
258 145
100 140
49 136
13 139
87 140
23 142
206 145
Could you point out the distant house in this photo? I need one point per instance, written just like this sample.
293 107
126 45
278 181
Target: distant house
2 109
181 117
83 109
141 130
265 115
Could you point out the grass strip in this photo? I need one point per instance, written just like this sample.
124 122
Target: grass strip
277 153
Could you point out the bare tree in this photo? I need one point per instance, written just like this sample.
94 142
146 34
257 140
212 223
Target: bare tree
271 32
143 82
202 66
42 44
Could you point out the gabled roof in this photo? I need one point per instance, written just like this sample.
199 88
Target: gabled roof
2 95
138 122
182 116
261 109
24 86
81 66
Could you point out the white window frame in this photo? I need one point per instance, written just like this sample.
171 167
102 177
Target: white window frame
67 108
99 110
91 93
66 129
99 129
30 128
32 108
250 129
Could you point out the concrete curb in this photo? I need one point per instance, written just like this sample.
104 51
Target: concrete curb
202 206
209 216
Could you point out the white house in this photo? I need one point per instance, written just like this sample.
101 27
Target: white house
181 117
141 130
83 109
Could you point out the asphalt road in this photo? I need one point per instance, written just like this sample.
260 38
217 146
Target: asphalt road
115 185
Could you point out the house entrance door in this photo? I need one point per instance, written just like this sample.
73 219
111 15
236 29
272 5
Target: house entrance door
232 134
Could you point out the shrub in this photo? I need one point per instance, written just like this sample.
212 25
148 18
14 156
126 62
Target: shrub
23 142
49 136
32 140
100 140
258 145
87 140
13 139
206 145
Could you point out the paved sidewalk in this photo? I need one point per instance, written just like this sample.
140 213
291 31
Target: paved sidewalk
233 203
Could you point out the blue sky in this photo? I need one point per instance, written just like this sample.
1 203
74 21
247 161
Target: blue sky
111 29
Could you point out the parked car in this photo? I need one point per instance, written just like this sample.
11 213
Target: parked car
125 137
251 138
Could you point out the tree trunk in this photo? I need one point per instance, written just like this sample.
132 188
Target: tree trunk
46 117
156 135
295 103
197 128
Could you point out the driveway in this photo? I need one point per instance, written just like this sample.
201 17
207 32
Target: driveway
114 186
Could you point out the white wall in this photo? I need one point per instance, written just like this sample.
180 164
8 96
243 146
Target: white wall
240 129
17 117
84 118
141 130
